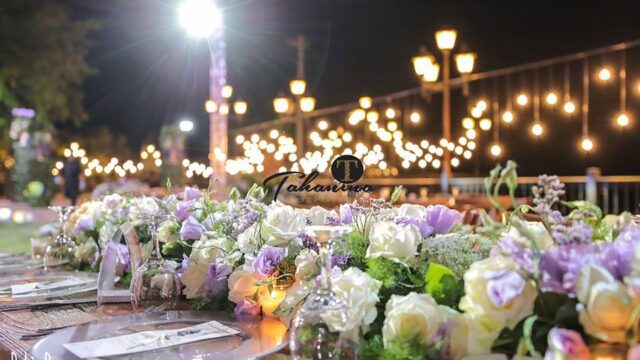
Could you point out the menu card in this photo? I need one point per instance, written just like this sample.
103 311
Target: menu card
149 340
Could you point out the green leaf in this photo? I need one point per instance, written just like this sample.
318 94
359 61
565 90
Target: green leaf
234 194
442 284
584 206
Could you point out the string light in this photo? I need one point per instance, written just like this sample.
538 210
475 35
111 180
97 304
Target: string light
507 117
485 124
537 129
623 120
468 123
471 134
522 99
323 125
476 112
604 74
392 126
496 150
415 117
455 162
372 116
240 107
223 109
551 98
365 102
390 113
586 144
210 106
569 107
273 134
482 105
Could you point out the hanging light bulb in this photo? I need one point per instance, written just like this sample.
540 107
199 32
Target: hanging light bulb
392 126
415 117
586 144
482 105
210 106
227 91
522 99
496 150
537 129
604 74
507 117
471 134
455 162
297 86
551 98
372 116
240 107
323 125
476 112
468 123
390 113
623 120
485 124
569 107
365 102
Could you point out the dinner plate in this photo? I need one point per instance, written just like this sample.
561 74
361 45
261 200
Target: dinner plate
90 282
258 338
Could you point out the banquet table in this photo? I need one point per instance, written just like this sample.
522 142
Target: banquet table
14 324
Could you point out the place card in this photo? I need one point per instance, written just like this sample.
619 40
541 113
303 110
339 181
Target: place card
149 340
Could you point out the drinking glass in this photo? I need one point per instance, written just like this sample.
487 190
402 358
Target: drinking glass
62 251
155 282
318 330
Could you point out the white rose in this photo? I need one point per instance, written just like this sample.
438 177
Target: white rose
307 266
142 207
413 314
605 307
205 252
282 225
496 294
194 278
412 211
167 232
539 234
467 336
318 215
393 241
248 240
360 292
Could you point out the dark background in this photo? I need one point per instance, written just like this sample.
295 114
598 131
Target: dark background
151 73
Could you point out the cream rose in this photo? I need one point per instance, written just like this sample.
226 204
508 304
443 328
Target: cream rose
412 211
360 292
413 314
393 241
282 225
205 252
307 267
248 240
532 233
193 280
496 294
168 232
318 215
605 307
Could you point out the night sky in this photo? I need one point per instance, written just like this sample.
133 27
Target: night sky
151 73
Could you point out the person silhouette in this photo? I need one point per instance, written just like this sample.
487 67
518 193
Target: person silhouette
71 175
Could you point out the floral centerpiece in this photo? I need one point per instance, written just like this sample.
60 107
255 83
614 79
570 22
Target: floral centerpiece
419 283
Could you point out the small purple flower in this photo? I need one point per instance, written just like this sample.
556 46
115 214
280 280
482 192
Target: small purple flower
504 286
267 261
346 214
23 112
339 259
523 256
191 229
112 201
566 344
183 210
560 266
217 278
191 193
183 265
247 308
442 219
421 224
307 242
332 220
84 223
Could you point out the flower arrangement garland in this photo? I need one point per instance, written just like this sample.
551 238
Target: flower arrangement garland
418 282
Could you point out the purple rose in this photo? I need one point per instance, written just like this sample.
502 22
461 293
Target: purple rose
267 261
191 229
566 344
247 308
183 210
217 278
346 214
191 193
523 256
421 224
84 223
559 267
504 286
442 219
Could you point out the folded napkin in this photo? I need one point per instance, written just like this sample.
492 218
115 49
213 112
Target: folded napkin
26 289
149 340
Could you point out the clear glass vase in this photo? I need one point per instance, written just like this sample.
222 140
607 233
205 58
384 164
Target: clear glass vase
62 251
318 329
155 282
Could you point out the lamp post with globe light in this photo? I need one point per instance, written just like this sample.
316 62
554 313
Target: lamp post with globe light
203 20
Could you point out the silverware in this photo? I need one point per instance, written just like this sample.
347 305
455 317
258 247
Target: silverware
48 331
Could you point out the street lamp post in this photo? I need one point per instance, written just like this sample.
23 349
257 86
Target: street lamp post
427 68
202 19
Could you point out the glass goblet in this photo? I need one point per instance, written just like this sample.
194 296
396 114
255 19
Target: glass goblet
319 329
62 251
155 282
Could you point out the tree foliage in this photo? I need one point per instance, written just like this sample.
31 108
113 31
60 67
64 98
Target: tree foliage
43 60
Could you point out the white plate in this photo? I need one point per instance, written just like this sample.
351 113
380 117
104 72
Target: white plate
260 337
90 284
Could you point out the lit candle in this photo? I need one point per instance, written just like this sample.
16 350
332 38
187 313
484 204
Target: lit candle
604 351
269 301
